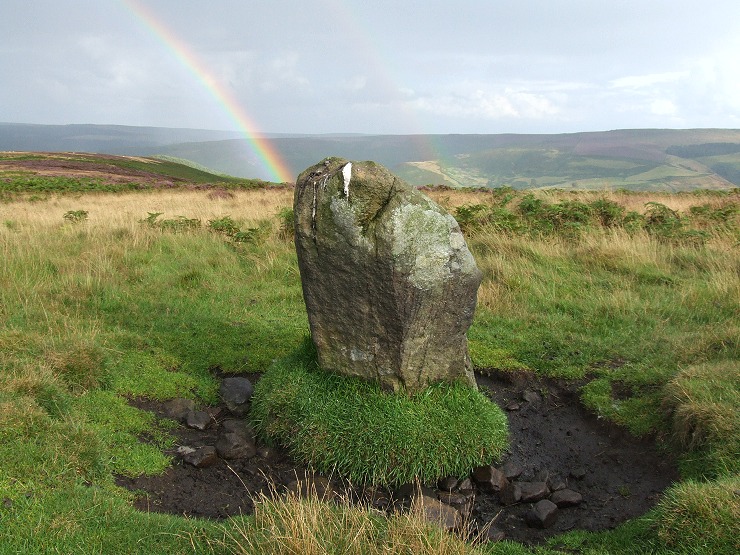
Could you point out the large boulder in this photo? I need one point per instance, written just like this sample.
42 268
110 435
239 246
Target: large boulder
389 283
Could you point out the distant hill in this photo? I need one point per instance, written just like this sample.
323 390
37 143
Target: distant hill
47 172
640 159
107 139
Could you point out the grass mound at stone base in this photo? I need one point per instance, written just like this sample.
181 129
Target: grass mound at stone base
349 426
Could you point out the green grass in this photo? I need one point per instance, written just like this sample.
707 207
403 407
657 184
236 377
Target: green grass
82 519
702 402
182 172
92 314
345 425
701 517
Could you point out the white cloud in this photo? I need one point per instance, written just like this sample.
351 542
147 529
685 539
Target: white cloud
638 82
489 104
663 107
354 83
715 78
283 71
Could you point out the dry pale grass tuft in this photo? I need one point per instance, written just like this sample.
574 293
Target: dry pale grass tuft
704 402
450 199
124 210
308 525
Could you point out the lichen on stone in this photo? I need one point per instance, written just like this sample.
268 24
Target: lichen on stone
388 281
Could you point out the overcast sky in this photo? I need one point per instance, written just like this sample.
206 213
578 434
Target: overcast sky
373 66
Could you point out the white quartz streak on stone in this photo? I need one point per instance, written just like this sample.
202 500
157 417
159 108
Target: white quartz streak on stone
347 174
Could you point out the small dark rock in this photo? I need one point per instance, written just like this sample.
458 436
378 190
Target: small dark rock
513 406
436 512
542 476
531 396
199 457
557 483
238 426
534 491
543 514
510 494
217 412
490 478
491 534
232 445
578 473
177 409
409 491
197 419
377 498
7 502
566 498
236 393
463 503
511 470
465 486
447 484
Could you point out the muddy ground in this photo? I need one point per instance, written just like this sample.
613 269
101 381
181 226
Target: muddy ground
620 477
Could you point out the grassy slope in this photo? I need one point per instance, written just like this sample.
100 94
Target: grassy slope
108 307
89 172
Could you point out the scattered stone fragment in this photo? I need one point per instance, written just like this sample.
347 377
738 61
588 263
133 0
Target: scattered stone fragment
238 426
409 491
534 491
447 484
511 407
557 483
177 409
531 396
388 280
460 501
217 413
236 393
511 470
231 445
197 419
465 486
566 498
578 473
490 478
510 494
378 498
199 457
544 513
491 534
436 512
542 476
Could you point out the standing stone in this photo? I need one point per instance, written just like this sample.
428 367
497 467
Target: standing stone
389 283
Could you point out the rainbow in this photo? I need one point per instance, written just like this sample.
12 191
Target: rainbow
267 154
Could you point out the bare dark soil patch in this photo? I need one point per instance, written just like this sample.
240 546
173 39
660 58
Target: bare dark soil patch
553 439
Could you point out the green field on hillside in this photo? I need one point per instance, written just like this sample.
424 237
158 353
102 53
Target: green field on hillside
105 296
